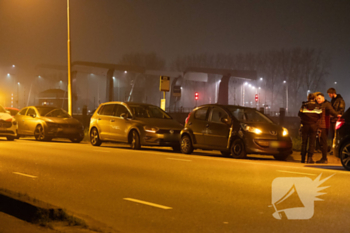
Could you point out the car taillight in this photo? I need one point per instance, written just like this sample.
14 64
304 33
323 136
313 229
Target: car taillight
188 117
339 123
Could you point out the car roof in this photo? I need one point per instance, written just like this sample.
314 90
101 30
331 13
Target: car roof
9 108
223 106
126 103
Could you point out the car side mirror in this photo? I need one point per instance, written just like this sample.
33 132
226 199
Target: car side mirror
226 120
124 115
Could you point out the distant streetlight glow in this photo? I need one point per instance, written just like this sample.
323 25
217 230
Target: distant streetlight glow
335 82
259 88
284 81
261 79
125 72
18 83
8 74
13 66
245 84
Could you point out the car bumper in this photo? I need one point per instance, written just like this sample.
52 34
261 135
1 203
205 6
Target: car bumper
268 146
154 139
11 131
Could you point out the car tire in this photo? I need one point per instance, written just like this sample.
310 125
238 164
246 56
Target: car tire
95 137
10 138
238 149
281 157
135 143
39 133
225 153
176 148
186 145
344 155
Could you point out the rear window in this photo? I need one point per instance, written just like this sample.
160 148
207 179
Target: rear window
201 114
248 115
23 111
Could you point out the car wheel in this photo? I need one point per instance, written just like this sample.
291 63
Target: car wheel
176 148
186 145
225 153
95 137
281 157
10 138
39 133
238 149
135 140
345 155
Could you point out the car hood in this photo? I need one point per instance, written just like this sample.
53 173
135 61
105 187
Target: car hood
5 116
160 123
60 120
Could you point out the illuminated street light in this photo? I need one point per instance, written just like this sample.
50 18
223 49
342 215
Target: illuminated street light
261 79
245 84
250 85
8 74
284 81
335 82
259 88
125 72
13 66
69 84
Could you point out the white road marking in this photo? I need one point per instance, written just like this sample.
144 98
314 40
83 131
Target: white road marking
22 174
148 203
185 160
102 151
301 173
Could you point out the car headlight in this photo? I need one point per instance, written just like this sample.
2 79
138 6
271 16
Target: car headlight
150 129
285 131
251 129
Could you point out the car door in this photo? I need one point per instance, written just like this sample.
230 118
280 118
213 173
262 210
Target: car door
104 117
119 125
217 134
20 117
198 124
30 121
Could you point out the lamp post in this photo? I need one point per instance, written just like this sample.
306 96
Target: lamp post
69 87
18 94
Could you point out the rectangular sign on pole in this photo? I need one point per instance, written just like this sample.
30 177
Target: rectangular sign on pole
164 83
162 104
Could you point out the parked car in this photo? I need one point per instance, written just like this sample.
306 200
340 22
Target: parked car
46 123
235 131
13 111
341 143
8 125
134 123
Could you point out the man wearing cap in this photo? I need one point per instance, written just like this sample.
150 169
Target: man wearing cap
324 123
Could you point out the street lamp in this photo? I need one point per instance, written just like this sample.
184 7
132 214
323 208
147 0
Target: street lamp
18 94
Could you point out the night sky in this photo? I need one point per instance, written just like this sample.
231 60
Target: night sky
35 31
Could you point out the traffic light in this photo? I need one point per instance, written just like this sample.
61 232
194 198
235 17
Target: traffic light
196 96
256 98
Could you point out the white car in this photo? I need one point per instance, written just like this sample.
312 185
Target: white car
8 125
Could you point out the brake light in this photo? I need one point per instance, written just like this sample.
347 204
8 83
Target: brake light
339 123
188 117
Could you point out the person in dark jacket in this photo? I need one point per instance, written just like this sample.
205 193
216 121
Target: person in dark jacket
338 104
324 124
310 113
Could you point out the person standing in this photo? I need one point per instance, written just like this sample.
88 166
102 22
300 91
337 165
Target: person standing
338 105
310 113
324 124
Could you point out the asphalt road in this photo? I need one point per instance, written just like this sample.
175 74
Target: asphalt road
156 190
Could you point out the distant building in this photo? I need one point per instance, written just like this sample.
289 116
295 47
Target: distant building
53 98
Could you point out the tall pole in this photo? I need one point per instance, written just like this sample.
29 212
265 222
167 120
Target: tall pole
69 64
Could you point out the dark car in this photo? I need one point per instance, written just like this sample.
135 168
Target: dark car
134 123
341 143
46 123
235 131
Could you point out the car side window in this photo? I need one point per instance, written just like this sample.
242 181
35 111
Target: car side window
23 111
31 112
121 109
217 114
201 114
107 110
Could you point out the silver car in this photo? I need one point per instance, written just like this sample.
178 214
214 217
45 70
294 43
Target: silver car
8 125
134 123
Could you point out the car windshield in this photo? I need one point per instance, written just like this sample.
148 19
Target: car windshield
2 109
52 112
58 113
148 111
247 115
